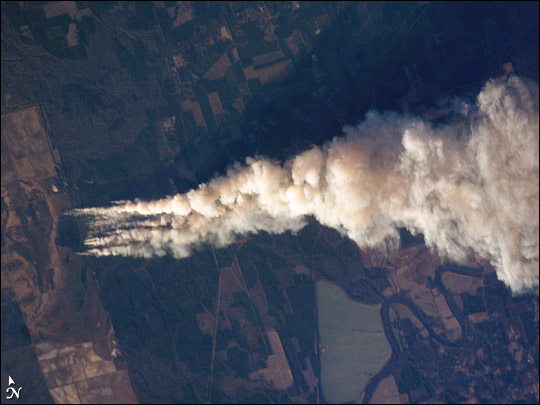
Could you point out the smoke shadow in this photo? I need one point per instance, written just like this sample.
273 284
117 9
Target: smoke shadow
348 78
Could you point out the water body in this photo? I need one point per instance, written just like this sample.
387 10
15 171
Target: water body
353 347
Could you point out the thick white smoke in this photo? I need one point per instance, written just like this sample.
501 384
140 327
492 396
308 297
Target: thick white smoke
467 187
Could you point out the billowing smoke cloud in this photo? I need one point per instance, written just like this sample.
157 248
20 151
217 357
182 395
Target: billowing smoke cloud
470 186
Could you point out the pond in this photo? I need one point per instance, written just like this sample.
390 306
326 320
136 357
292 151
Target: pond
352 344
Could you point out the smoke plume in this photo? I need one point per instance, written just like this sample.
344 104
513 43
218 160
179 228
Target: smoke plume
468 187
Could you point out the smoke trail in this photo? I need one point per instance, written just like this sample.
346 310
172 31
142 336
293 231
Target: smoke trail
467 187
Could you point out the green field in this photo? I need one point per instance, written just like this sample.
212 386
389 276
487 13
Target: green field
352 344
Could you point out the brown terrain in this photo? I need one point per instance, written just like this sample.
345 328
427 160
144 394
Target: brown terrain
125 94
409 269
71 333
